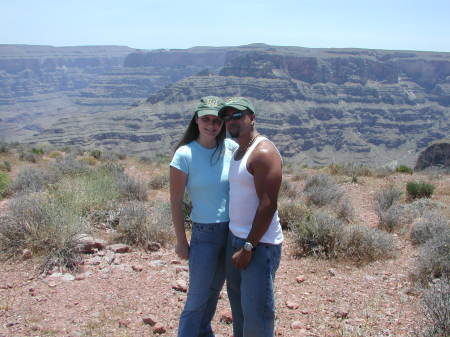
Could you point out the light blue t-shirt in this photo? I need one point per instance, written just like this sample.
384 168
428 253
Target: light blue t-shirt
207 179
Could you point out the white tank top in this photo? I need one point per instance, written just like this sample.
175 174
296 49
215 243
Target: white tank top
244 201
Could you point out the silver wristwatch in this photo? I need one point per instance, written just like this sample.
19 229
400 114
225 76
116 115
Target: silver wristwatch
248 246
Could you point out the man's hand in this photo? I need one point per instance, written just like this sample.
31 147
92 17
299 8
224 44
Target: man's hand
182 250
241 258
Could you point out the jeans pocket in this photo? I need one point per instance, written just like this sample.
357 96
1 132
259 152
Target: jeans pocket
202 233
237 243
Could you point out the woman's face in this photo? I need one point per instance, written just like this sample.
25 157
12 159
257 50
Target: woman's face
209 125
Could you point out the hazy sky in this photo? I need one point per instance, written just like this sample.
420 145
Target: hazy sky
152 24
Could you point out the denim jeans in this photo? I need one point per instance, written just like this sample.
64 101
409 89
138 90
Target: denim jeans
206 278
250 290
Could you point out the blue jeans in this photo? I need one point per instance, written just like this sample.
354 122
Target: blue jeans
250 290
206 278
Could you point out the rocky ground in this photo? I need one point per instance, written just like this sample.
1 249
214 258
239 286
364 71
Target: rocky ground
138 293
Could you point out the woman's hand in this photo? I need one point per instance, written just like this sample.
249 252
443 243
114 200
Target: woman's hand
182 250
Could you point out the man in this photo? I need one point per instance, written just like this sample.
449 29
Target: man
254 242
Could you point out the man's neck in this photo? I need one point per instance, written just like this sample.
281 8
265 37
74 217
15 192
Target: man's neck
243 140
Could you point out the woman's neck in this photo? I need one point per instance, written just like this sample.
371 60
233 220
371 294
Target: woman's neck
207 142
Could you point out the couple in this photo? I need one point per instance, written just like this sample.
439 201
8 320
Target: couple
236 232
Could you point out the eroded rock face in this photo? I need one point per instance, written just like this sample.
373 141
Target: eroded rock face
326 105
434 155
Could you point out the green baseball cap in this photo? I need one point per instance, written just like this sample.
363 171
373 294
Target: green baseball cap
209 105
238 103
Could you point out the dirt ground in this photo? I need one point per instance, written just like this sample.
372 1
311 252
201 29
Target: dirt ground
114 293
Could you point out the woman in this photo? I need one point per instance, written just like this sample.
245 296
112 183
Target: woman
200 163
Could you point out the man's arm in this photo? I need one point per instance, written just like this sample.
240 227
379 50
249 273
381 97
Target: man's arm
265 166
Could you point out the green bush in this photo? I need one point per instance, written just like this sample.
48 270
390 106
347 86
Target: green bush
37 151
404 169
29 156
4 148
419 189
321 190
97 154
4 183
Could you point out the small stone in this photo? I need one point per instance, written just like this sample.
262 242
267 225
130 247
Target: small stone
181 269
296 325
175 262
331 272
150 320
35 327
154 246
124 323
180 285
300 279
80 277
226 317
341 314
292 305
26 254
137 267
159 328
119 248
68 277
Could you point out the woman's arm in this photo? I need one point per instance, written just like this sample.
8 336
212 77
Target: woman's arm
177 185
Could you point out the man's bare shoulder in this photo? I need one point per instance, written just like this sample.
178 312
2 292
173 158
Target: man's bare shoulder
265 153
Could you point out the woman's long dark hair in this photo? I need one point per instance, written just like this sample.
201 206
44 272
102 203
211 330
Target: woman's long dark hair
192 133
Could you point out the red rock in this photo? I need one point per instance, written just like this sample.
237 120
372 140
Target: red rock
300 279
154 246
292 305
137 267
180 285
119 248
150 320
175 262
226 317
296 325
159 328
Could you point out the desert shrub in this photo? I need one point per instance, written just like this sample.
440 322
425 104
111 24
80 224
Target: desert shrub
5 166
364 244
97 154
385 198
139 226
89 160
4 183
404 169
29 156
54 154
287 190
30 179
37 151
159 181
321 190
381 172
345 210
69 165
433 260
131 188
316 234
436 309
291 213
419 189
45 226
4 148
353 170
429 226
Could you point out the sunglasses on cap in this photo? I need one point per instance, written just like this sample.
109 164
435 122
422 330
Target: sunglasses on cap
234 116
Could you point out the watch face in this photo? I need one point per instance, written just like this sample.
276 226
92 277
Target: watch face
248 246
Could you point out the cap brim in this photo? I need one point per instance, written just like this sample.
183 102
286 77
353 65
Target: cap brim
205 112
234 106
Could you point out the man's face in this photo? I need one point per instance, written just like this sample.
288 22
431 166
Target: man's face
237 122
